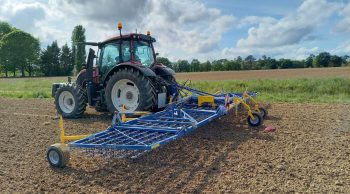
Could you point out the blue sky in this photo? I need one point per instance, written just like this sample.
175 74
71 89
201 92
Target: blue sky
205 30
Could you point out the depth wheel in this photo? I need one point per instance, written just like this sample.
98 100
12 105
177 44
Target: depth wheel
257 121
263 112
130 88
58 155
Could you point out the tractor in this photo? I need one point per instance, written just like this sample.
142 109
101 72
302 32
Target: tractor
125 76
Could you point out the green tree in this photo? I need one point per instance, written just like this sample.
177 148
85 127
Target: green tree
66 60
309 61
183 66
285 63
207 66
336 61
322 60
165 61
249 62
5 28
217 65
49 60
19 50
78 37
345 60
195 65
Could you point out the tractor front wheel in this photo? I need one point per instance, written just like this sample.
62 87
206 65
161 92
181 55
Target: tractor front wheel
70 101
130 88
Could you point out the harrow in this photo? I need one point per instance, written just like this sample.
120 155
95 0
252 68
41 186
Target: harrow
131 137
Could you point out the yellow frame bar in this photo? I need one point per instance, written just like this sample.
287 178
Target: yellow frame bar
238 101
206 99
256 103
125 119
64 138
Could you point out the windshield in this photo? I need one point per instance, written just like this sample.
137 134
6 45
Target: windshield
144 53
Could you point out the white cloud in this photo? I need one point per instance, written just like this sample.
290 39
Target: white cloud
252 20
22 15
290 29
344 23
342 49
183 28
282 38
287 51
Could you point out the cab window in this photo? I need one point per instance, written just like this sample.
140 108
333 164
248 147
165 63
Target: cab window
110 55
144 53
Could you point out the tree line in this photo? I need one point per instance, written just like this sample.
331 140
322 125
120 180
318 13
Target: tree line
323 59
20 55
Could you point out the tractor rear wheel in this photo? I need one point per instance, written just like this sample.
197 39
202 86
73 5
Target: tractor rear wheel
70 101
130 88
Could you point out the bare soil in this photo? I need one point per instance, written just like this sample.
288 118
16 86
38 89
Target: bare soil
266 74
309 152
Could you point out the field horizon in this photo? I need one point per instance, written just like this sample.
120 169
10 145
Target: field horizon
324 85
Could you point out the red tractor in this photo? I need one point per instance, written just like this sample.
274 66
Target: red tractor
125 74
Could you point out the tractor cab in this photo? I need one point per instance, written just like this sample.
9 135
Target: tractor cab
131 49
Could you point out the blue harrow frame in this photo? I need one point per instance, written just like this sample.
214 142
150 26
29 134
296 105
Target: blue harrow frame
134 137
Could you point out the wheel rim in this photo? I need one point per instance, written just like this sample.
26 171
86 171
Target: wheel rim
255 120
262 112
66 102
54 157
125 92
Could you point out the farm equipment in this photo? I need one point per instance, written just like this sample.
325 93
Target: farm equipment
128 80
126 73
130 138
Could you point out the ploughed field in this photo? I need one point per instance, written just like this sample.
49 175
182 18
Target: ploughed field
309 152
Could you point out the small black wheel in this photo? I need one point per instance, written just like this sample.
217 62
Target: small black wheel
70 101
263 112
257 121
58 155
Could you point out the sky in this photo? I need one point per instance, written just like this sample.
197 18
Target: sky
205 30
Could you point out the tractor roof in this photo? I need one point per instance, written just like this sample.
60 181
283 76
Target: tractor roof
128 37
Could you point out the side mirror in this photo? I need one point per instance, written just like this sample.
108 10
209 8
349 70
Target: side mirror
157 54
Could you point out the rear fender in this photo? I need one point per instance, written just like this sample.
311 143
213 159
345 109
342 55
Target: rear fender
144 70
163 70
55 87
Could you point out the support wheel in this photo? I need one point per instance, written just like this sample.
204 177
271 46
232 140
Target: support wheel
70 101
263 112
257 121
130 88
58 155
